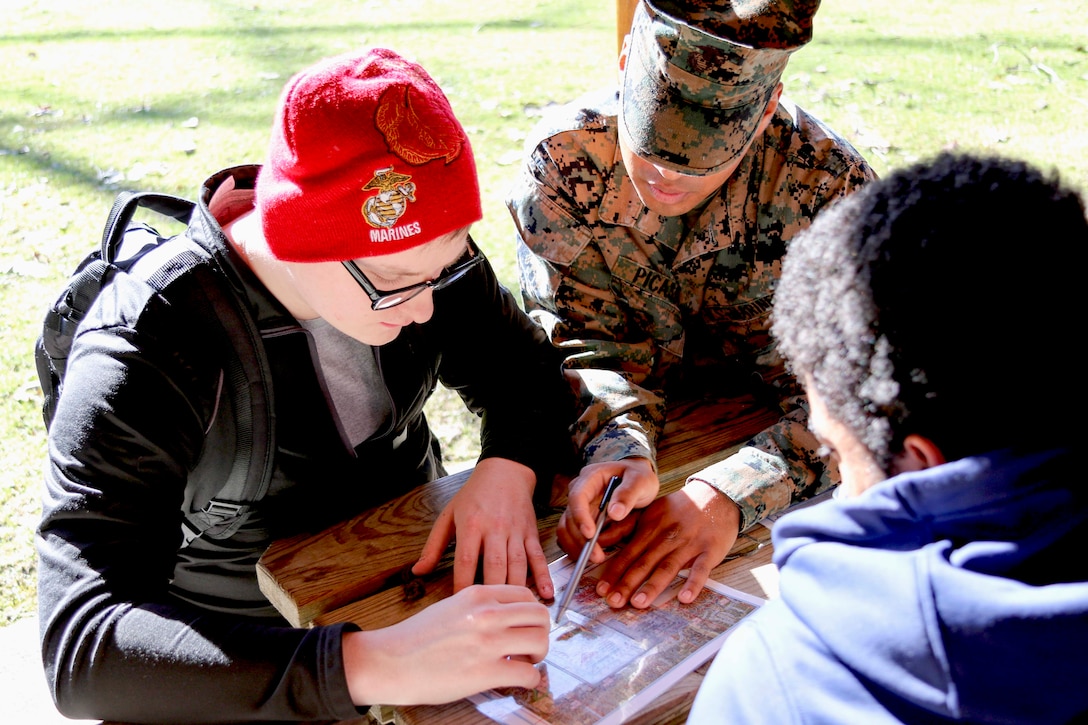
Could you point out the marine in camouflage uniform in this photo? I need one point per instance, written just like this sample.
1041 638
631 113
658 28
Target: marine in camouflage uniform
652 306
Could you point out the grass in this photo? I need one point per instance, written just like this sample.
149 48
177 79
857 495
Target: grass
117 94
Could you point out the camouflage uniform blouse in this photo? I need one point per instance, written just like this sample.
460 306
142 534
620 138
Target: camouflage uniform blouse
650 305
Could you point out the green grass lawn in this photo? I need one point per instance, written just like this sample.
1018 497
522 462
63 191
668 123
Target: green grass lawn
120 94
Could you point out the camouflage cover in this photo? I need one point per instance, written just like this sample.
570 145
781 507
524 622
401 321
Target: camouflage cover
691 101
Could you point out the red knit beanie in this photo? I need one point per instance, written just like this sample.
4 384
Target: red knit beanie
366 158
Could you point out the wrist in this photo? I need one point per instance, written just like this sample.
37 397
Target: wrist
362 669
508 470
721 509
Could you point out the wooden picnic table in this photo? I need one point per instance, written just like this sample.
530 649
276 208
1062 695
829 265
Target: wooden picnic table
350 571
308 577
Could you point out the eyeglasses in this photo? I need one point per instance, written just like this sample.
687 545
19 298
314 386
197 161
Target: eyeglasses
383 300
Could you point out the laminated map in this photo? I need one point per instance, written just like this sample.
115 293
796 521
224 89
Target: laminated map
605 665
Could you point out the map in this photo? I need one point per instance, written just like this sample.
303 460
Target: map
605 665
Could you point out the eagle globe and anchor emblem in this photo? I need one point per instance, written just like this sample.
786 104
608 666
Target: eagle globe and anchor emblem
395 190
415 140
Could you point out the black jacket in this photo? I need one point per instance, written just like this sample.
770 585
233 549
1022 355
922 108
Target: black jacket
138 627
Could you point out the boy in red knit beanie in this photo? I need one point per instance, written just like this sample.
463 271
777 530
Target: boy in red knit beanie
350 251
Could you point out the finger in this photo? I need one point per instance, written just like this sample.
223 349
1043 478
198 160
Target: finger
697 579
582 503
436 544
634 578
519 671
567 534
617 531
538 565
660 577
465 560
493 558
517 562
622 560
624 499
529 646
511 594
627 571
515 613
637 490
528 642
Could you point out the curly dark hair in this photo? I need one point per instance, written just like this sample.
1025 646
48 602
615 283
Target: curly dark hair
942 300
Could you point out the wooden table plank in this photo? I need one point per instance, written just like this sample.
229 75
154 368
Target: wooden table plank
306 576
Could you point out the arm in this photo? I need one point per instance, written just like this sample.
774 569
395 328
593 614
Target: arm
116 644
576 276
500 363
696 526
777 468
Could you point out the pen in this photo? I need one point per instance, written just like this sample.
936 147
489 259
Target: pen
583 558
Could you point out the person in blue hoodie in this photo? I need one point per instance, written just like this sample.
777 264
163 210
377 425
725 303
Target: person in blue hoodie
932 319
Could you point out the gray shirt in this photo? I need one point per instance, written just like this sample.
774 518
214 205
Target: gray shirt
352 378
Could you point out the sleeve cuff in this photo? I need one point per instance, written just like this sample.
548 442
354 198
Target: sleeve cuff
756 482
616 444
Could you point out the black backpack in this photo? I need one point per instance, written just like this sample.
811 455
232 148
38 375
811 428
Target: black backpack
219 513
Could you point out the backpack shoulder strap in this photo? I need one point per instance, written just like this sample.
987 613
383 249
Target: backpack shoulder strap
247 375
247 372
247 384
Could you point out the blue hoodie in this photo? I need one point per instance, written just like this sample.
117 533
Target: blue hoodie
958 593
